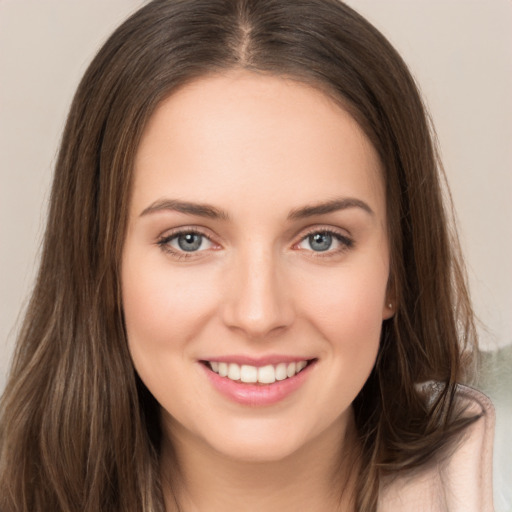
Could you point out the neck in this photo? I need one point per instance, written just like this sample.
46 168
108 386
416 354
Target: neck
320 476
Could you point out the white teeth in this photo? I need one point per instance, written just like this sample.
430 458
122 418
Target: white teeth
251 374
301 365
234 372
223 369
281 371
266 374
248 373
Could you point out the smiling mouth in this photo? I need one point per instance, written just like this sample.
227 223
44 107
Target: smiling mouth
247 374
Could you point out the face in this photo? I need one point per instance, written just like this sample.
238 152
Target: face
255 265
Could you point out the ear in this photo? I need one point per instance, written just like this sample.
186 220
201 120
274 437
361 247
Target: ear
388 310
390 300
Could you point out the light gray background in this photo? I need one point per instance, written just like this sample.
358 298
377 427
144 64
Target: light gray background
460 51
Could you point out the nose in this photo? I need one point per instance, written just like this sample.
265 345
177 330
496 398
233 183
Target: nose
257 301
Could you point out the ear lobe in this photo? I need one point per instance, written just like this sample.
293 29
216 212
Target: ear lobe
390 302
388 310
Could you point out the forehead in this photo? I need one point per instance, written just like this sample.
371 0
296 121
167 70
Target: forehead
265 134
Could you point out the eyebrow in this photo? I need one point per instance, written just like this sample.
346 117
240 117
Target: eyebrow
201 210
329 207
211 212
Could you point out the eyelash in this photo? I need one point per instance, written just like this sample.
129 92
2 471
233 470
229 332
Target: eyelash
164 243
345 242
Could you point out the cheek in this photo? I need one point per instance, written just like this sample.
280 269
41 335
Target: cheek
163 309
164 312
350 301
348 314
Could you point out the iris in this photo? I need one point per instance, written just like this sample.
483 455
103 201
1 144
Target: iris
190 241
320 241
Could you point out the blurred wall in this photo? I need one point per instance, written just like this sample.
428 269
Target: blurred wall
459 50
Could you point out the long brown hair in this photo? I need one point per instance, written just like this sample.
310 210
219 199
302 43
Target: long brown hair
78 430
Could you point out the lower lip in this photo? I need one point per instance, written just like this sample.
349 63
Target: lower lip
257 394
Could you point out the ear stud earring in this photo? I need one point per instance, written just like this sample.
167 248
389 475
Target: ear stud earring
390 305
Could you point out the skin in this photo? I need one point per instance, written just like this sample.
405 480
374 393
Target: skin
257 148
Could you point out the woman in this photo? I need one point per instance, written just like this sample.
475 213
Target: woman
247 280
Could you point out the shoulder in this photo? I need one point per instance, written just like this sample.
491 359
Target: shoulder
461 482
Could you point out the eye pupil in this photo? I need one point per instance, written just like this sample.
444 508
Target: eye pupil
320 241
190 242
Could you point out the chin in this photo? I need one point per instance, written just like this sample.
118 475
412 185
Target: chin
261 450
264 440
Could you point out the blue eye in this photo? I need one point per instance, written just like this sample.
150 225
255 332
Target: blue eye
189 241
186 242
325 241
320 241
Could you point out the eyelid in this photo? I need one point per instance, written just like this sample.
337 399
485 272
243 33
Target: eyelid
340 235
171 234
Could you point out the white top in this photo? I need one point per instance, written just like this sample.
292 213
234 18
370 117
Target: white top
459 483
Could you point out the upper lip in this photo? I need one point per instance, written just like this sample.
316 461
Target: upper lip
272 359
